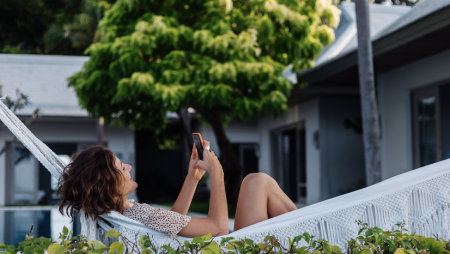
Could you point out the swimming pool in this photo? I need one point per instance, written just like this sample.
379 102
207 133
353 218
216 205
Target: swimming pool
47 221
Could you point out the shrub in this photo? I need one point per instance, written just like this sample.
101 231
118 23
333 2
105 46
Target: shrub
369 240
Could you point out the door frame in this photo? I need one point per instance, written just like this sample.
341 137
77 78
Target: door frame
278 169
416 95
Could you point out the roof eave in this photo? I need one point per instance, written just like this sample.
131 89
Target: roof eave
409 33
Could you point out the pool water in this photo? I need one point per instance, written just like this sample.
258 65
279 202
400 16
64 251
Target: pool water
47 221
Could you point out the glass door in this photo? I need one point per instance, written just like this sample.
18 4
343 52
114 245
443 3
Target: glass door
290 161
21 175
426 126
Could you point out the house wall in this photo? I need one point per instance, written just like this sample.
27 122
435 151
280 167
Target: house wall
259 132
237 132
307 113
394 91
341 148
119 140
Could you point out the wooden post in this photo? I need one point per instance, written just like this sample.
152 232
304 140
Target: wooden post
100 124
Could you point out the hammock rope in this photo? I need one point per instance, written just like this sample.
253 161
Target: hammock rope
419 198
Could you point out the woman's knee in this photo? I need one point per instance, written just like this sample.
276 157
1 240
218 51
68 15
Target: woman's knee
258 179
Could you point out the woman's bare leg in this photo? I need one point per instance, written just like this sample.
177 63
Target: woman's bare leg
260 198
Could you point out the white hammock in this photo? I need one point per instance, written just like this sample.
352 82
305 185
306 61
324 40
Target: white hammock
419 198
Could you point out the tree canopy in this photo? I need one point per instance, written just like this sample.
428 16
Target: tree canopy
64 27
223 58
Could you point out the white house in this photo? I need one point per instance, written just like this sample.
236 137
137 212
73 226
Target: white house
64 126
411 62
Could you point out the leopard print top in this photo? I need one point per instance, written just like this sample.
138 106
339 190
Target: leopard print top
158 219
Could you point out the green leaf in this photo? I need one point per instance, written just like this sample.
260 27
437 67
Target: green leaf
367 252
65 230
399 251
410 251
39 250
27 249
212 248
116 235
116 246
225 239
335 249
297 239
235 245
248 241
2 245
206 237
369 232
57 249
436 246
307 237
167 248
197 239
98 246
111 232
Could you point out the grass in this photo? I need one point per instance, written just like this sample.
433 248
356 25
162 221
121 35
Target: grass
202 207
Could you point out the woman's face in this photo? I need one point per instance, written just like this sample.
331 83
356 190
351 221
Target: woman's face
129 185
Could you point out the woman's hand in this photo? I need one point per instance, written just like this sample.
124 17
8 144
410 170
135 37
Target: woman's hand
194 170
210 163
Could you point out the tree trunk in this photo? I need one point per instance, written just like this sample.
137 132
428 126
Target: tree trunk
228 159
371 127
188 142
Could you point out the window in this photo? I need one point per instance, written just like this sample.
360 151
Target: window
247 154
290 161
21 175
431 123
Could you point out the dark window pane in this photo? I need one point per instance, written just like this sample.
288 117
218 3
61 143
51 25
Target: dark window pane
303 192
427 130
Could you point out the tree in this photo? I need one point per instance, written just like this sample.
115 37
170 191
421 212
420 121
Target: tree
62 27
74 36
371 123
23 23
223 58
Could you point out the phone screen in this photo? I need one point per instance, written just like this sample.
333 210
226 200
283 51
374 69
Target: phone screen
198 145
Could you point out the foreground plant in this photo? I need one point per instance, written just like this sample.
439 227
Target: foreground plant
369 240
375 240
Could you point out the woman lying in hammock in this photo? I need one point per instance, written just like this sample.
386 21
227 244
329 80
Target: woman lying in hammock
98 182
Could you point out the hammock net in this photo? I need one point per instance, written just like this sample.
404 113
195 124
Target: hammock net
418 198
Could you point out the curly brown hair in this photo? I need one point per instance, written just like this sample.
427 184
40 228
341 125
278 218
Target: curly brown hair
91 182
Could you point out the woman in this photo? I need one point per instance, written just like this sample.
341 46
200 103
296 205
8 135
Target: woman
98 182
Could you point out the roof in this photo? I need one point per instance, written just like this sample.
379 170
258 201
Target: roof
412 25
44 79
420 10
381 17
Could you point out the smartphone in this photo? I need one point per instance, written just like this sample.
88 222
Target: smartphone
198 141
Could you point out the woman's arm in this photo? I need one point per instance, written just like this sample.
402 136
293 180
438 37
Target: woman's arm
184 199
195 173
216 222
